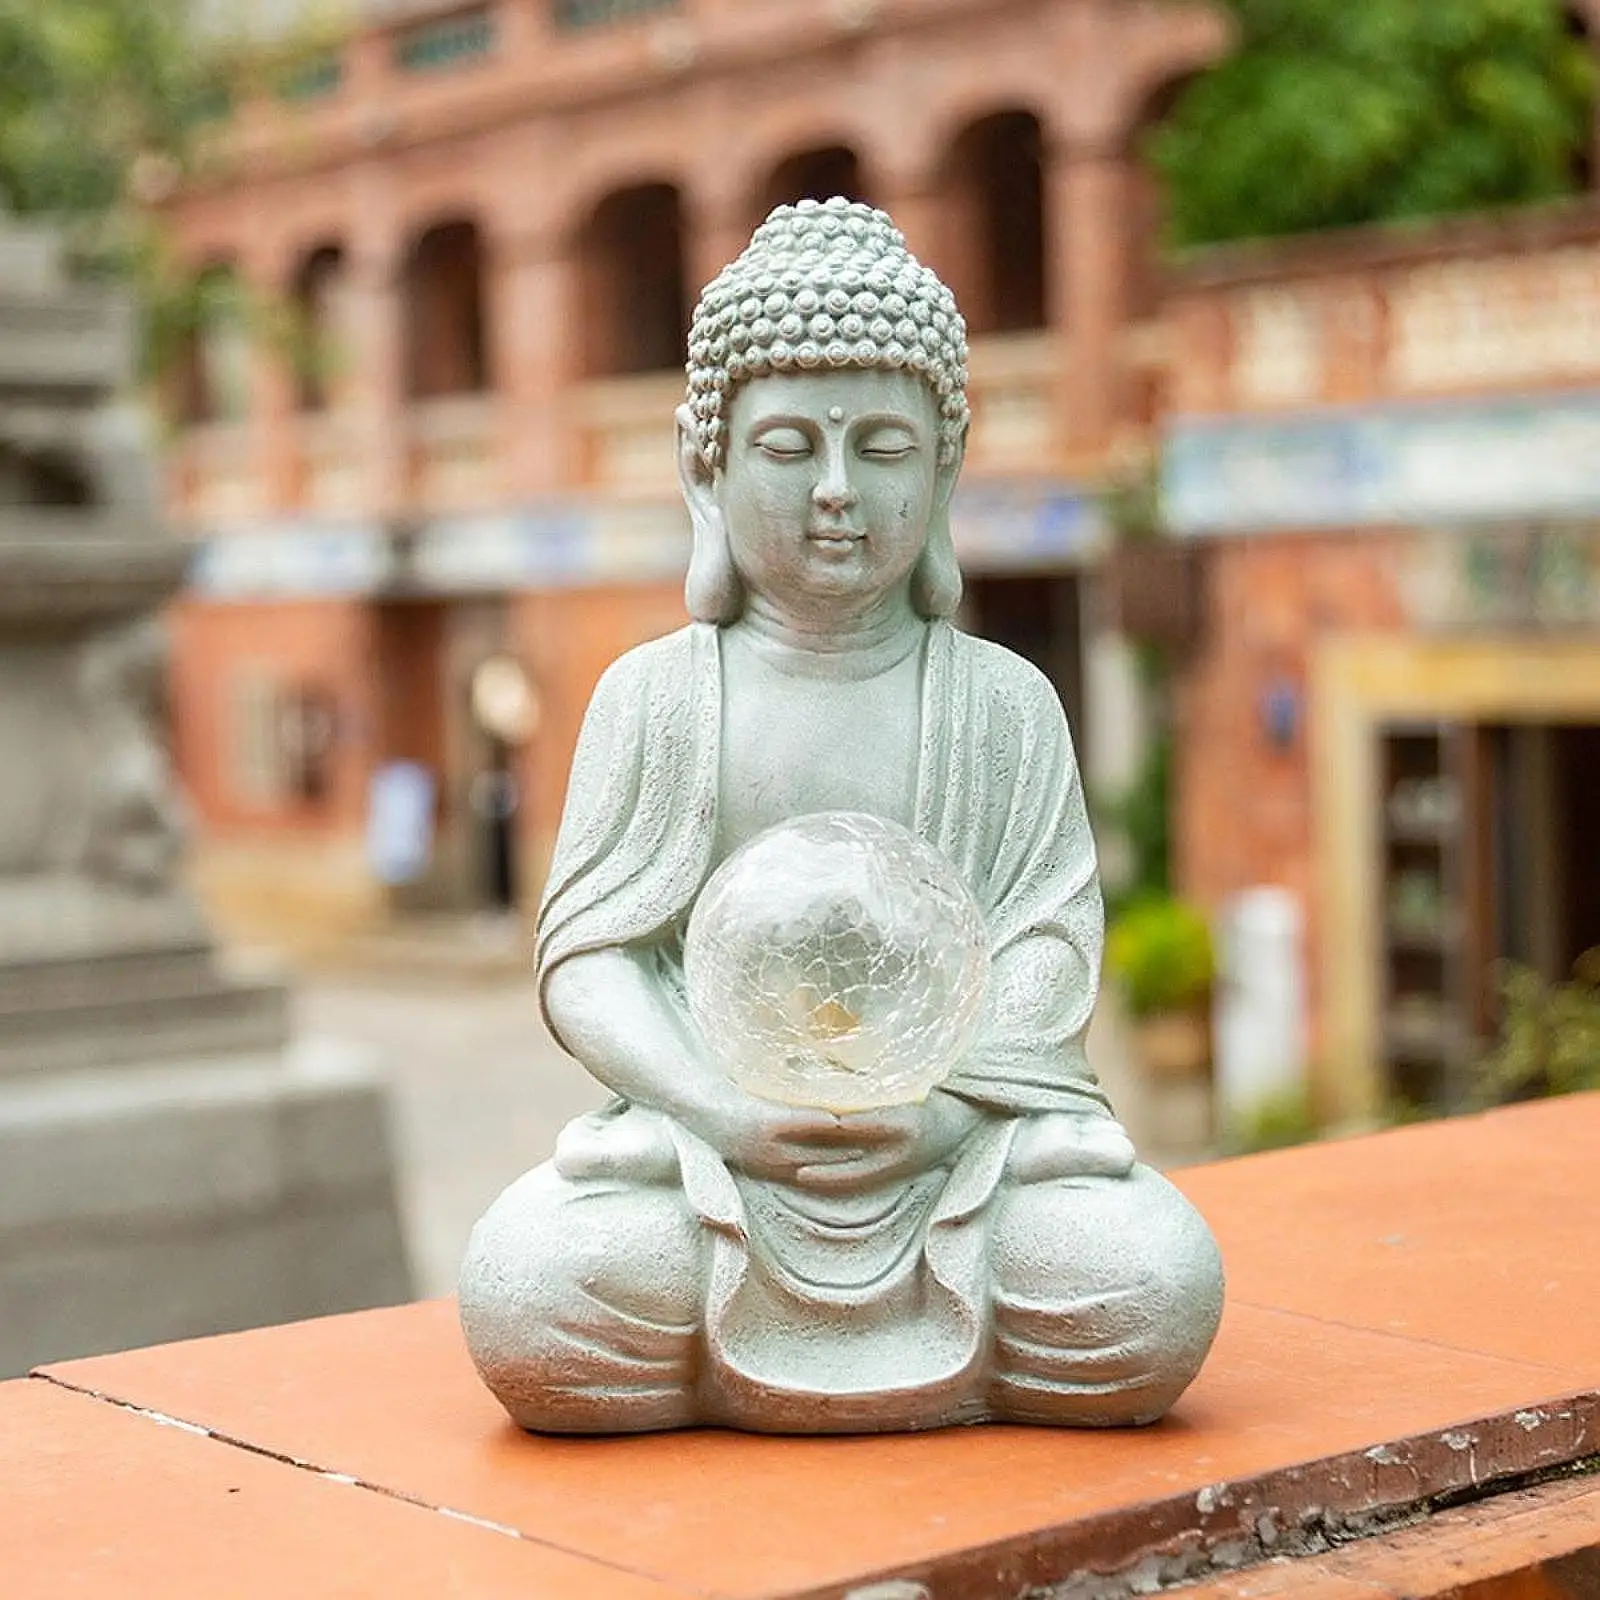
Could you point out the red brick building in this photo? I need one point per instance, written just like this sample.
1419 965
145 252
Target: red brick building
1387 445
494 218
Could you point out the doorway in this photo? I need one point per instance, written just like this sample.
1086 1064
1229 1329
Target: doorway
437 727
1521 718
1542 805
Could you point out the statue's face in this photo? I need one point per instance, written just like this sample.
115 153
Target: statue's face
829 483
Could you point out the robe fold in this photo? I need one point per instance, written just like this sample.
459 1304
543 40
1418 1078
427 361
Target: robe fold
897 1274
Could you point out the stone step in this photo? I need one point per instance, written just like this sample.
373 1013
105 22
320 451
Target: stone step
111 1013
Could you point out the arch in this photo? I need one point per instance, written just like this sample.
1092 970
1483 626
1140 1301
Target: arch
991 188
968 105
209 376
817 173
443 310
317 298
632 286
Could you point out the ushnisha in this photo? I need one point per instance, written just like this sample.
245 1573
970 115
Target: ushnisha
693 1254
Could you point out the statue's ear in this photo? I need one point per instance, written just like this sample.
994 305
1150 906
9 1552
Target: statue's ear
712 591
695 478
944 485
936 578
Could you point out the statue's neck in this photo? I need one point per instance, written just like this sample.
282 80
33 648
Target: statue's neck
839 646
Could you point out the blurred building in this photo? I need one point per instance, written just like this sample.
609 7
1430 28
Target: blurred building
1387 445
491 221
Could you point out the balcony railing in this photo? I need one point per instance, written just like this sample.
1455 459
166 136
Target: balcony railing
333 476
219 476
626 433
455 453
1013 415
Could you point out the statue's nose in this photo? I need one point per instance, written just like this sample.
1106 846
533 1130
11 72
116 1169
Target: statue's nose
834 490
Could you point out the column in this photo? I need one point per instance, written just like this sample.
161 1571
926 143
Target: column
533 324
718 227
377 388
271 457
917 210
1086 259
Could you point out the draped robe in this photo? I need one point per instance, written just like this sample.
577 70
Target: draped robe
897 1274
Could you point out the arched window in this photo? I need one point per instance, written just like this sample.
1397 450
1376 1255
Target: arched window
210 375
446 338
320 327
814 175
634 305
994 190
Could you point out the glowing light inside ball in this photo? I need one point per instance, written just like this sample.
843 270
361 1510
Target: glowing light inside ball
836 961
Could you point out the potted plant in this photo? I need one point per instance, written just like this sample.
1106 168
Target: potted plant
1159 953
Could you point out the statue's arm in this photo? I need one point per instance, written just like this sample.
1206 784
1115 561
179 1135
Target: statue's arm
1046 921
609 1010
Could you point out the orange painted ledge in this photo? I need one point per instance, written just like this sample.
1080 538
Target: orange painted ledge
1413 1319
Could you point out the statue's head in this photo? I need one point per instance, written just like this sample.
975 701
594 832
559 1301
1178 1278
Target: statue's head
826 418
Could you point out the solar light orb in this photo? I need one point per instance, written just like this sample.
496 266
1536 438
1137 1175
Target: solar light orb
836 961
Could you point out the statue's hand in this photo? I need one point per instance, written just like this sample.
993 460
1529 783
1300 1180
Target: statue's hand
873 1147
821 1150
1064 1144
761 1139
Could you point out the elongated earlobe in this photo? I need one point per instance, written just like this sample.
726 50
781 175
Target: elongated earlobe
936 578
712 590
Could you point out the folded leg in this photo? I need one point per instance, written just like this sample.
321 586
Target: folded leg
581 1304
1107 1295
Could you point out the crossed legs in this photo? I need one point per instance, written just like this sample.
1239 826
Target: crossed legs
581 1303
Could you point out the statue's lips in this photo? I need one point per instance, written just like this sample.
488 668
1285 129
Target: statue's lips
835 538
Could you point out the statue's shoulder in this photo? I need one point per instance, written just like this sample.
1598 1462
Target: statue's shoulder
668 659
1007 680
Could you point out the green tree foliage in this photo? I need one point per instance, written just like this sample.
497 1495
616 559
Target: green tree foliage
95 97
104 105
1332 113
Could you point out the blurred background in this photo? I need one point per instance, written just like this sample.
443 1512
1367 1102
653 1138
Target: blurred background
1284 467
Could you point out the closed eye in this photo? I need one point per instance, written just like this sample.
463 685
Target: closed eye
885 443
782 440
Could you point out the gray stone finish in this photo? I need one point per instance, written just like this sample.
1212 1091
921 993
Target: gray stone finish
167 1166
693 1254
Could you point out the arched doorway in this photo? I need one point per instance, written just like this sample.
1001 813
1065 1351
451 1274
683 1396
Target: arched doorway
317 298
813 175
995 246
447 341
633 300
210 374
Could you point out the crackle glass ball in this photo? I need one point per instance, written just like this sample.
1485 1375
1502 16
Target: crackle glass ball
836 961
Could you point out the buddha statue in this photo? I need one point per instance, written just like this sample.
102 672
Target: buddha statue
695 1254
